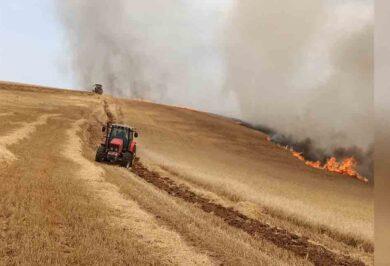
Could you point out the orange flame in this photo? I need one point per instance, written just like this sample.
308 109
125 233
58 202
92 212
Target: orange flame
346 167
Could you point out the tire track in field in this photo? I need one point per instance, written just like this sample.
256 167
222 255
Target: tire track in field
19 134
141 223
282 238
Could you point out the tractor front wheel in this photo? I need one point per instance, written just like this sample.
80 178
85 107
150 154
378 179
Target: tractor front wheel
127 160
100 154
134 155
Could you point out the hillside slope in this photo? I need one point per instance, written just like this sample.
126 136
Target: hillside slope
204 191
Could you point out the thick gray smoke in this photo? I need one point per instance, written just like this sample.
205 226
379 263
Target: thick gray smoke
302 68
162 50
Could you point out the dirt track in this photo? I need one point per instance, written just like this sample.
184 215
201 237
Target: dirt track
206 206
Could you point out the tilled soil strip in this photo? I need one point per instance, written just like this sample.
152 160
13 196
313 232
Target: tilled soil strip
280 237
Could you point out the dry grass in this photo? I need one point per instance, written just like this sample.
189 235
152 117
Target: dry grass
358 249
59 207
47 217
161 240
17 135
205 231
239 163
347 222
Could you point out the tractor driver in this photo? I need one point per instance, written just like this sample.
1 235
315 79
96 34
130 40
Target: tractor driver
122 134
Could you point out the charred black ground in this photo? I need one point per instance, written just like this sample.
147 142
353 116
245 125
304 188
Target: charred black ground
311 152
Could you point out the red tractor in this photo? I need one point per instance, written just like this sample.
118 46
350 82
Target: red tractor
119 145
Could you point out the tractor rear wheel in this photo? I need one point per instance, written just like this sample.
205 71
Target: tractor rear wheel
127 160
100 154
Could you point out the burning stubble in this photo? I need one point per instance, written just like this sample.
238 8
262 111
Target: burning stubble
304 70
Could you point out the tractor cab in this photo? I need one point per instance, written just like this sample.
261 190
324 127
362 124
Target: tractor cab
119 137
117 132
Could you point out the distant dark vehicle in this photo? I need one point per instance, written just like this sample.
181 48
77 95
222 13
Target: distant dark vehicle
119 145
98 89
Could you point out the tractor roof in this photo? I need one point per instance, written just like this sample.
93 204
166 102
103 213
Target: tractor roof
123 126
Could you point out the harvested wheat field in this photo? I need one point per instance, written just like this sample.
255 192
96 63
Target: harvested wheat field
204 190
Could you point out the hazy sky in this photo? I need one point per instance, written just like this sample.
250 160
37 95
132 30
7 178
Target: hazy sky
32 47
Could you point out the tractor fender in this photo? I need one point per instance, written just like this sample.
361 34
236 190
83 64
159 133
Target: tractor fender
132 146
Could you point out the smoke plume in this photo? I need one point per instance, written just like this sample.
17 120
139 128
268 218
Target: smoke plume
162 50
303 69
305 72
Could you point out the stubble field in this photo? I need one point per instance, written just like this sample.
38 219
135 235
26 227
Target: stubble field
205 190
